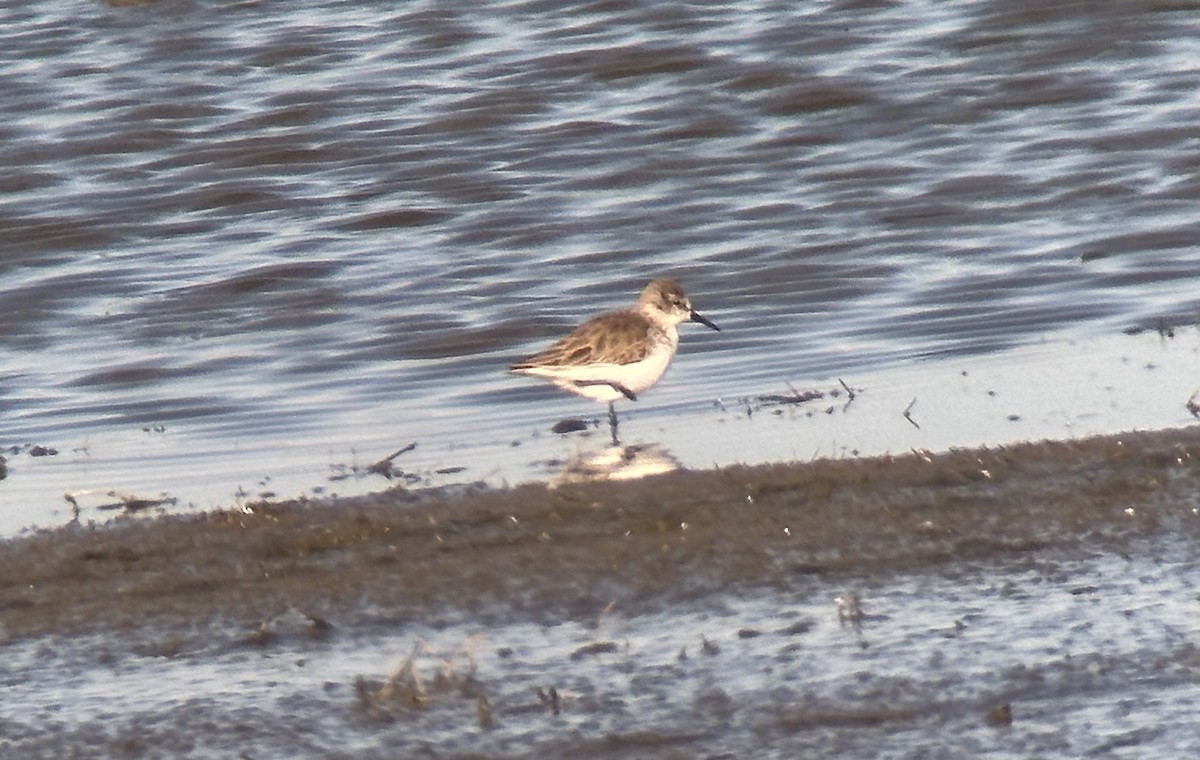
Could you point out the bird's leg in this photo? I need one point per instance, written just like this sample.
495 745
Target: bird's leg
615 386
612 423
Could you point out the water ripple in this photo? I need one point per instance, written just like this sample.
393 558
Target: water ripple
333 211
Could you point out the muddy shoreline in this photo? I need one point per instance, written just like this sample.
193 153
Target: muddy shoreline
542 554
1031 600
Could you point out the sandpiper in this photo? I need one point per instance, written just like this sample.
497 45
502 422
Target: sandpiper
619 354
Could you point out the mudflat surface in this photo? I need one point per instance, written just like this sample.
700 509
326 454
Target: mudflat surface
992 601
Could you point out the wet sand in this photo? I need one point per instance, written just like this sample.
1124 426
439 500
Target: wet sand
183 586
544 553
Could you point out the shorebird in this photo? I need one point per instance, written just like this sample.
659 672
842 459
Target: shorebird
619 354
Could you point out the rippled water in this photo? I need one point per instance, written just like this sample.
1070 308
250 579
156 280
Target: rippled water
246 239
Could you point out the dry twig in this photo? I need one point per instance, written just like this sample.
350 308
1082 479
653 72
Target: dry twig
384 466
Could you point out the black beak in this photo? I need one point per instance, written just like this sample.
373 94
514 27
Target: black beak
698 317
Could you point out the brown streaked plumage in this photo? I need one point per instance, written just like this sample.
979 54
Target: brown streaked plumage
620 338
619 354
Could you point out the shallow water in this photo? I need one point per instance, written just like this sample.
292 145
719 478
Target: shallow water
1093 655
1037 599
1054 390
248 247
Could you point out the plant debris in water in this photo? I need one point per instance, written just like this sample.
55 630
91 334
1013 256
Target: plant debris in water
869 542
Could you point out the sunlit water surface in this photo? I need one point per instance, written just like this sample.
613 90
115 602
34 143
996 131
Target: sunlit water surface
249 249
